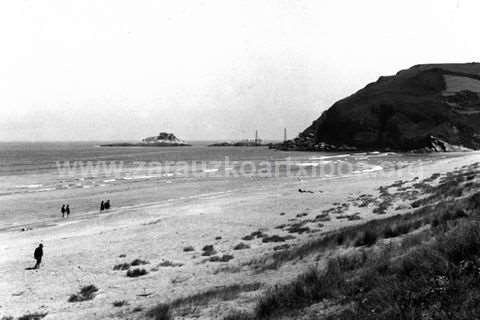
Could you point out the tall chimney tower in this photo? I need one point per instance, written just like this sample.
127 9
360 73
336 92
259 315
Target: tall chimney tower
284 134
256 136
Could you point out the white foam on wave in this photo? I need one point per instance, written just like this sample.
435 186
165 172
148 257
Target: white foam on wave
307 164
210 170
138 177
371 169
29 186
47 189
329 157
109 180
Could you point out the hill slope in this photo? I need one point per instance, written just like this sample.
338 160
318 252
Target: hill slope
434 107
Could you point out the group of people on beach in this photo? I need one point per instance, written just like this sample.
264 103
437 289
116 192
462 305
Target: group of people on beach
65 210
105 205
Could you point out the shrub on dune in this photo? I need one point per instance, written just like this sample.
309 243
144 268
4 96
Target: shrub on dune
241 246
136 273
209 250
29 316
160 312
119 303
138 262
224 258
122 266
366 238
86 293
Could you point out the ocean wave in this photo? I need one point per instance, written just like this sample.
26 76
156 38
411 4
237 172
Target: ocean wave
329 157
371 169
138 177
46 189
306 164
29 186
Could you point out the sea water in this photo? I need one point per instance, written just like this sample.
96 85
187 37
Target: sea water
37 178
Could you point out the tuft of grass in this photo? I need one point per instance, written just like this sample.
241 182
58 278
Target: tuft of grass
190 303
121 266
208 250
241 246
137 272
224 258
253 235
276 238
168 263
299 228
85 293
366 238
31 316
188 249
160 312
138 262
137 309
239 315
119 303
309 287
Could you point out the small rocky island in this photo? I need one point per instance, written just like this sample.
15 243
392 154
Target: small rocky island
163 139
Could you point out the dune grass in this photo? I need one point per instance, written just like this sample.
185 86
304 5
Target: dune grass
137 272
85 293
121 266
33 316
119 303
160 312
187 304
433 273
138 262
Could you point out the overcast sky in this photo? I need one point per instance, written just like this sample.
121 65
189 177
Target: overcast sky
108 70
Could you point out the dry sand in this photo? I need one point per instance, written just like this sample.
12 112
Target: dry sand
84 249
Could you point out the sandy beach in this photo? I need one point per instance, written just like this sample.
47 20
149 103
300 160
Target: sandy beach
84 248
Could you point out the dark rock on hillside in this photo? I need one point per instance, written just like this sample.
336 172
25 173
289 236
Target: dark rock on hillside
433 107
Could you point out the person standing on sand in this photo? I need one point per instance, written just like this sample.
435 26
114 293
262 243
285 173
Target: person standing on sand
68 210
63 211
107 204
38 254
102 206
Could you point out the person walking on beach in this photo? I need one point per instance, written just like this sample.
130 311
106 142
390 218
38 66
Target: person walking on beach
38 254
67 210
102 206
63 211
107 204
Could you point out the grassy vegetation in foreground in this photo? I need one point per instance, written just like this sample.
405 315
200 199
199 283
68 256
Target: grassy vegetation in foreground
431 274
420 265
187 304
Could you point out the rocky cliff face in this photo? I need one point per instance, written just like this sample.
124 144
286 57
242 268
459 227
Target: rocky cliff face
433 107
